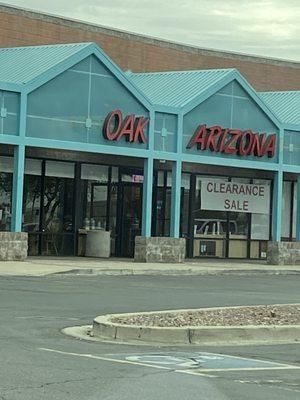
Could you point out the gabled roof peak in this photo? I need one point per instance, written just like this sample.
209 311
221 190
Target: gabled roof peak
183 72
44 46
285 104
21 65
176 88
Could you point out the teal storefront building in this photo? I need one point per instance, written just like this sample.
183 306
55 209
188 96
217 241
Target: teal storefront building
169 164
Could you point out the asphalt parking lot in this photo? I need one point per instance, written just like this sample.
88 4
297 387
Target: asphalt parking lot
38 361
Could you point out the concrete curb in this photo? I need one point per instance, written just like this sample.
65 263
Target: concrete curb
170 272
104 329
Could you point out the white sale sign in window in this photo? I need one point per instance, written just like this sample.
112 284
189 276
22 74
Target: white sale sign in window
233 196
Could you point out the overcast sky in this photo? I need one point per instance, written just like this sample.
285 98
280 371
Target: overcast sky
263 27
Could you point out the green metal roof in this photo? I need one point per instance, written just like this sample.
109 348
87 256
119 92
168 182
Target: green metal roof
20 65
286 105
175 89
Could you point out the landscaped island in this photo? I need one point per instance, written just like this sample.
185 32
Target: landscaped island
227 316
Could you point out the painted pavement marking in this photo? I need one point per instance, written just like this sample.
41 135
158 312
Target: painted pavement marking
203 361
195 363
120 361
270 383
46 317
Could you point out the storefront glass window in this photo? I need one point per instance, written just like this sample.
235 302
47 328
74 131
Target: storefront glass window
184 208
160 178
131 218
97 173
58 209
9 124
95 191
260 223
291 150
286 210
96 201
113 208
6 181
294 210
163 203
209 228
165 132
227 233
60 169
115 174
238 234
32 197
238 229
238 221
32 204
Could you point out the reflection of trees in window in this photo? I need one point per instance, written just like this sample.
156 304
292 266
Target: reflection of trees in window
58 204
5 200
5 185
52 199
32 193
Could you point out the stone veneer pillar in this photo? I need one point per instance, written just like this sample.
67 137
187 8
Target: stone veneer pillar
283 253
159 249
13 246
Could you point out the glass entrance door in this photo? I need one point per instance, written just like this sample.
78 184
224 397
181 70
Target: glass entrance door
130 220
58 208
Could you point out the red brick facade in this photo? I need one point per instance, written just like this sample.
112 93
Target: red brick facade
138 53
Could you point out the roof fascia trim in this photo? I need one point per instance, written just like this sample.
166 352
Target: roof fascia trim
11 87
167 109
291 127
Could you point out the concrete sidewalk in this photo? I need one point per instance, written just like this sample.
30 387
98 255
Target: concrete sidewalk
42 266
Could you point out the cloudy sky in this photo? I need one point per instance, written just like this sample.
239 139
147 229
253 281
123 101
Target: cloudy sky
263 27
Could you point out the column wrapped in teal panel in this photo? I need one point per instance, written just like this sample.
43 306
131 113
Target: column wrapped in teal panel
147 197
277 206
298 210
18 180
175 202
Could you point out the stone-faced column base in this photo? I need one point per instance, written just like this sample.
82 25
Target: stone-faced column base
159 249
13 246
283 253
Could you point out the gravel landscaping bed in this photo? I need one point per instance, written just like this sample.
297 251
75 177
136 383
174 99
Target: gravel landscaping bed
235 316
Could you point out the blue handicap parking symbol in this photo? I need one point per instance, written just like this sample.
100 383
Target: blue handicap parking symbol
197 360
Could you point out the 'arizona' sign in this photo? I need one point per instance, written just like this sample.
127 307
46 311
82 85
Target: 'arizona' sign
233 141
131 127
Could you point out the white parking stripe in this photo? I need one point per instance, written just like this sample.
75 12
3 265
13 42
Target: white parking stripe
122 361
249 368
102 358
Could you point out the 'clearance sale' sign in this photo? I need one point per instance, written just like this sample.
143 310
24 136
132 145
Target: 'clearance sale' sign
233 196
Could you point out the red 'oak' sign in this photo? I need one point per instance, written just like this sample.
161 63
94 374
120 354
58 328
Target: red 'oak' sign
233 141
131 127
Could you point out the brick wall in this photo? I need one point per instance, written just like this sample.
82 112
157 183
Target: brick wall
130 51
